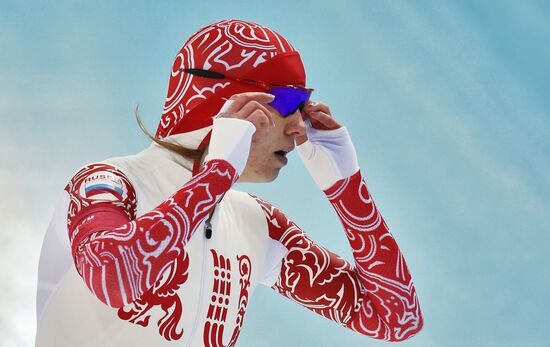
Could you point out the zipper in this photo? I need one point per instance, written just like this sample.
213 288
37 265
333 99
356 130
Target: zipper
208 225
207 236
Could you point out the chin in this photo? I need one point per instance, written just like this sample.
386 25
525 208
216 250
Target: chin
274 175
264 175
267 178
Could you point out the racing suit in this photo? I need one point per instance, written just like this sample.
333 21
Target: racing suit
143 250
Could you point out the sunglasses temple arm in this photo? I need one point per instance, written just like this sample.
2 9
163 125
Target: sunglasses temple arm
217 75
205 73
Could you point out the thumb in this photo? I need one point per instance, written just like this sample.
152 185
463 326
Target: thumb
300 139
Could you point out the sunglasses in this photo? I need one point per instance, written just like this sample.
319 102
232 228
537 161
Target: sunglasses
288 98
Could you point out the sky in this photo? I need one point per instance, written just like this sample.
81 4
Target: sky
447 104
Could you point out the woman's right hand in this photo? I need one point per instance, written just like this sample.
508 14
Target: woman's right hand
249 106
234 126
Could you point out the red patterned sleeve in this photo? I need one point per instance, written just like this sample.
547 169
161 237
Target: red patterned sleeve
375 296
120 256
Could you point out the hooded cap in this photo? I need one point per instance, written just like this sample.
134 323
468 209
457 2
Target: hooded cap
232 47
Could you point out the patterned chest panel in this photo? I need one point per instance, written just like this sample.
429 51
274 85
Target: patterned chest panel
236 258
222 297
204 295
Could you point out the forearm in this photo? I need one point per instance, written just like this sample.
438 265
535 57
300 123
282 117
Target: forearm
120 256
120 263
389 306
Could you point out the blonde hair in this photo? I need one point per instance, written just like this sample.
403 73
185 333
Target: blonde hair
184 151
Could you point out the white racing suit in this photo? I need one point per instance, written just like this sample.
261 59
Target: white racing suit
141 252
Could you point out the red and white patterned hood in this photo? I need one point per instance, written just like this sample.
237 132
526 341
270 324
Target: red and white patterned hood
232 47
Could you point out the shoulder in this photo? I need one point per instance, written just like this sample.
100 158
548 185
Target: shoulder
270 210
242 204
280 225
101 183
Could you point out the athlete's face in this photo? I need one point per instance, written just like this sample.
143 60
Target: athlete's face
264 163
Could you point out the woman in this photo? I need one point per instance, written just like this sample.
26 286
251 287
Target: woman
157 249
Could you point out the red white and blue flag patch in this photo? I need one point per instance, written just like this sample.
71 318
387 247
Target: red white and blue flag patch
103 185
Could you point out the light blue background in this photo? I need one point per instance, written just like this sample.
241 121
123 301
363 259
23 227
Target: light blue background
447 103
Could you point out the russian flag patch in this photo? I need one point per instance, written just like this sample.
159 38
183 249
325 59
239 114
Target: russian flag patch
103 185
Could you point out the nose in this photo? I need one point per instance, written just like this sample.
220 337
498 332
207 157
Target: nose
295 124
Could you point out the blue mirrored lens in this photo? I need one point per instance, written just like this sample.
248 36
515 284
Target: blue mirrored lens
288 100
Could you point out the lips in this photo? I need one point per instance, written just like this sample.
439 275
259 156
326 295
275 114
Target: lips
281 154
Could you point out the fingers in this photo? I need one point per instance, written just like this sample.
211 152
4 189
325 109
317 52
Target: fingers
317 106
251 106
320 116
260 119
241 99
254 107
299 139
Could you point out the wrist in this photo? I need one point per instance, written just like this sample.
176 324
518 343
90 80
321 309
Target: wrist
231 139
329 156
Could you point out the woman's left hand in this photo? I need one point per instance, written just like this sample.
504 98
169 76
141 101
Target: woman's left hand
320 117
326 149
